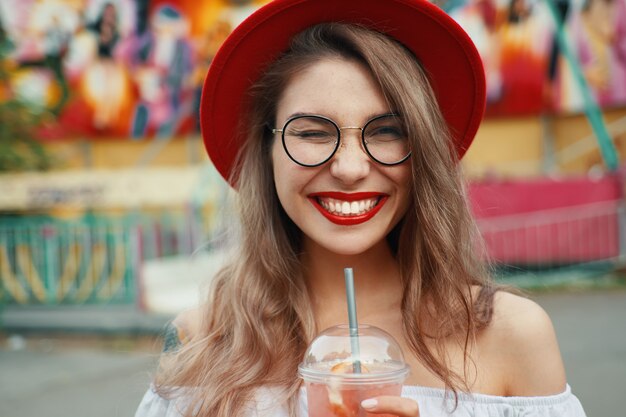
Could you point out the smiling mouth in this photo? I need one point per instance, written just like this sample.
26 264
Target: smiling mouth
348 208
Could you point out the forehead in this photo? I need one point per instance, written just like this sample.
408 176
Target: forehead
344 90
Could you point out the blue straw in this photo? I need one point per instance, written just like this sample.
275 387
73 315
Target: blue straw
352 320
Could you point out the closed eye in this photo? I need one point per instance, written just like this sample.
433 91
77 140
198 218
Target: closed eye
312 135
384 134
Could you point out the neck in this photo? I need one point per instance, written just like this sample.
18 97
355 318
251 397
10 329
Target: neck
378 287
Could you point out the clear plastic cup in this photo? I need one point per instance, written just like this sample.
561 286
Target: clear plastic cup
334 386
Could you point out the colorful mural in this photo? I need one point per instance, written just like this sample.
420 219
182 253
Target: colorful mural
134 68
527 72
111 68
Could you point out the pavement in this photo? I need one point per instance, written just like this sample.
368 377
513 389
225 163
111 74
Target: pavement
73 376
591 329
89 373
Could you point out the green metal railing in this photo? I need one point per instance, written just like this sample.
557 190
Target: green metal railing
92 260
46 261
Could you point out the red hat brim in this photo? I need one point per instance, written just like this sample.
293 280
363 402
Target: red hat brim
443 48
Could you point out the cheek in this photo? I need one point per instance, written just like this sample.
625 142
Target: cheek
291 181
281 173
402 177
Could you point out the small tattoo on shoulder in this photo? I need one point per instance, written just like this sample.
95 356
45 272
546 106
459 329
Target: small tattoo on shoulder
171 339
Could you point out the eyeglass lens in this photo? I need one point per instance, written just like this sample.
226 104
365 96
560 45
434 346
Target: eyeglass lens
312 140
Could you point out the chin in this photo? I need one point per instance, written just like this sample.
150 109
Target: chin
346 246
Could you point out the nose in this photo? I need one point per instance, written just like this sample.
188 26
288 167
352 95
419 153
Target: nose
350 163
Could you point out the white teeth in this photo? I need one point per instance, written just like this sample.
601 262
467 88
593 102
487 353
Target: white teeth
348 208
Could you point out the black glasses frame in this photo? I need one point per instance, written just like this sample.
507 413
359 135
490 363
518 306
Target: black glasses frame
338 142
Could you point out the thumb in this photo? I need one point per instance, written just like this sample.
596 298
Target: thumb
386 404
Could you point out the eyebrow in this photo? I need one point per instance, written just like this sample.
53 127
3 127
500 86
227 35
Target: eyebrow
369 117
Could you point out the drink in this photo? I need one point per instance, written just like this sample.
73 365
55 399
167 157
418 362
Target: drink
343 398
336 381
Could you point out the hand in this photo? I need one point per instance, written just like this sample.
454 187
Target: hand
386 404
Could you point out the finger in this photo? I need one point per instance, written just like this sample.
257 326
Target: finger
384 404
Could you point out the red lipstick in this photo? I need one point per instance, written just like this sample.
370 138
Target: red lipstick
348 220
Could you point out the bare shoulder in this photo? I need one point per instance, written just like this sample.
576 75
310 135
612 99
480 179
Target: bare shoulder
523 338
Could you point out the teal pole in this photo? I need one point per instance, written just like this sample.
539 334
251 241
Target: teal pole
592 110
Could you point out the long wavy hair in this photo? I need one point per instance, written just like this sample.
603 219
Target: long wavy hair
258 319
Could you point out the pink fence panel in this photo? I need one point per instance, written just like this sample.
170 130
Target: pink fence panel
567 235
545 221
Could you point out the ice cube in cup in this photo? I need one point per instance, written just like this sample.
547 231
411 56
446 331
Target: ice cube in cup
333 384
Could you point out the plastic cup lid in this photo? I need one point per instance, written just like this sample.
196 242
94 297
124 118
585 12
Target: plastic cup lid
330 358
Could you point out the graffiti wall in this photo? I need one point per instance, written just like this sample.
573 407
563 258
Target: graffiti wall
134 68
527 72
130 68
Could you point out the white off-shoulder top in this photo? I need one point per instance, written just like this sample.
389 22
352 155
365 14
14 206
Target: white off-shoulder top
433 402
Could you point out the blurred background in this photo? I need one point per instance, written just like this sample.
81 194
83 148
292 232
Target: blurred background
110 210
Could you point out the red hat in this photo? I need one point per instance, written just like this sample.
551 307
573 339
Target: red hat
442 47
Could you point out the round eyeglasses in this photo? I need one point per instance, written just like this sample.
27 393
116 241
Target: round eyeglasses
312 140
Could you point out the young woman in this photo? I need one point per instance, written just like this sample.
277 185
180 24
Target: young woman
341 124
